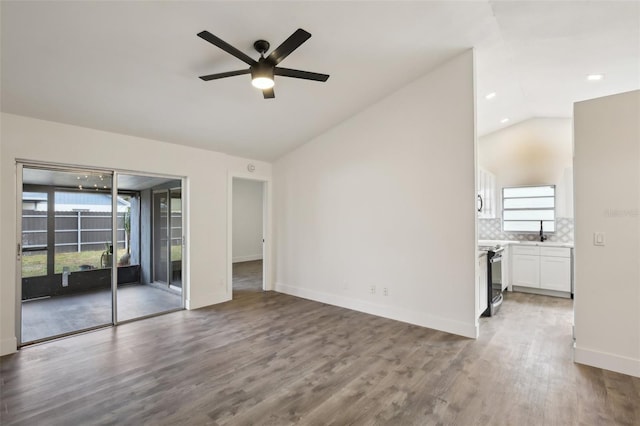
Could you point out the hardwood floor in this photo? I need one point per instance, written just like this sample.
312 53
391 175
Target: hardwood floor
271 359
247 276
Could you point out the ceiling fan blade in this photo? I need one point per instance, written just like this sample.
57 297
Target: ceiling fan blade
206 35
224 74
289 45
268 93
306 75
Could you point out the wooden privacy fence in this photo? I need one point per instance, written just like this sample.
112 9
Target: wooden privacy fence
74 231
78 231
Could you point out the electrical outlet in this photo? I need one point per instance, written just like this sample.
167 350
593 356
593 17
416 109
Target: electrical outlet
373 289
385 291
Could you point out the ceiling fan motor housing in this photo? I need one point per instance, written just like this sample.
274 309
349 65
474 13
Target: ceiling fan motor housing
261 46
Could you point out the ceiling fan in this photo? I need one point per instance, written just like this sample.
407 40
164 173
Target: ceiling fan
263 70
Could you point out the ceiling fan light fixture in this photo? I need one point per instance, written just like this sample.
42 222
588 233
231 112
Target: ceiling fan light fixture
262 82
262 76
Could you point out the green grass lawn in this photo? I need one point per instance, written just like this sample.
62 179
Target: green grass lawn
35 265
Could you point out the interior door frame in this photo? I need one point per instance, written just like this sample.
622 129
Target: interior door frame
267 246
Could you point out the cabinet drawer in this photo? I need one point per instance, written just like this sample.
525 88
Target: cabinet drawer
555 251
530 250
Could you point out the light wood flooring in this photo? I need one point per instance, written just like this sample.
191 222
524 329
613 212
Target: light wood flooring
271 359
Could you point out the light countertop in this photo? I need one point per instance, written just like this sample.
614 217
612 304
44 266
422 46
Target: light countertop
528 243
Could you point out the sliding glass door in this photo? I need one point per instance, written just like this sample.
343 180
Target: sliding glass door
66 252
92 253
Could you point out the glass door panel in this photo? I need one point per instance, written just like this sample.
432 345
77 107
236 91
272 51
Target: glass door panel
66 262
143 247
34 233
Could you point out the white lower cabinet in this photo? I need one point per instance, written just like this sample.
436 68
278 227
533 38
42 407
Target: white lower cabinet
526 270
546 268
555 273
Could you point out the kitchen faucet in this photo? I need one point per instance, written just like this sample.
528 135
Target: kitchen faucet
542 236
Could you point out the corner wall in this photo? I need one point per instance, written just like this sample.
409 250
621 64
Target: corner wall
607 199
378 214
205 195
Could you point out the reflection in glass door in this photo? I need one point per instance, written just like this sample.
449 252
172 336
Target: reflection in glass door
66 252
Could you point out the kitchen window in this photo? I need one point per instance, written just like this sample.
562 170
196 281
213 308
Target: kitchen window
523 207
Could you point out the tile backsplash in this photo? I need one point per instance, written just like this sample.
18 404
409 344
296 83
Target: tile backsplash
491 229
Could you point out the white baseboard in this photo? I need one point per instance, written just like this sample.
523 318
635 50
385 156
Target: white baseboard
247 258
542 291
8 346
399 314
607 361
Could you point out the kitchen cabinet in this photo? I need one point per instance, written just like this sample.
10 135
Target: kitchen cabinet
545 268
526 270
555 273
487 193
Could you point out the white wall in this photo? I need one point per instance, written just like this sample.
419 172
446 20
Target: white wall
607 199
247 220
387 199
538 151
205 196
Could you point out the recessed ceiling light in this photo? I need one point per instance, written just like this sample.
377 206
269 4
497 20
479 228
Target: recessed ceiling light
595 77
490 95
504 120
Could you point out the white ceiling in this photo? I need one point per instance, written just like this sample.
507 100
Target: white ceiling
132 67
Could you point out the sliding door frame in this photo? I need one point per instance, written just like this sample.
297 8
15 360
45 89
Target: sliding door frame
114 173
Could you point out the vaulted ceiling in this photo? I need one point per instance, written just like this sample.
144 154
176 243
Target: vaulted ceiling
132 67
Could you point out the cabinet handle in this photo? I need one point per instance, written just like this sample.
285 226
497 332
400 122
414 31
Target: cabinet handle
481 203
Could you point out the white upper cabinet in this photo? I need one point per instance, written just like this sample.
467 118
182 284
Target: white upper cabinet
487 192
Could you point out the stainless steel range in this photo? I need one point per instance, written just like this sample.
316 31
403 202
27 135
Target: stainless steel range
494 279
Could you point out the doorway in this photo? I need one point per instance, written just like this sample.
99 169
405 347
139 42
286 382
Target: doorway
84 250
248 231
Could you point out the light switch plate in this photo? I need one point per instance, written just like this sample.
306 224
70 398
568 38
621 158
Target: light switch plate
598 238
